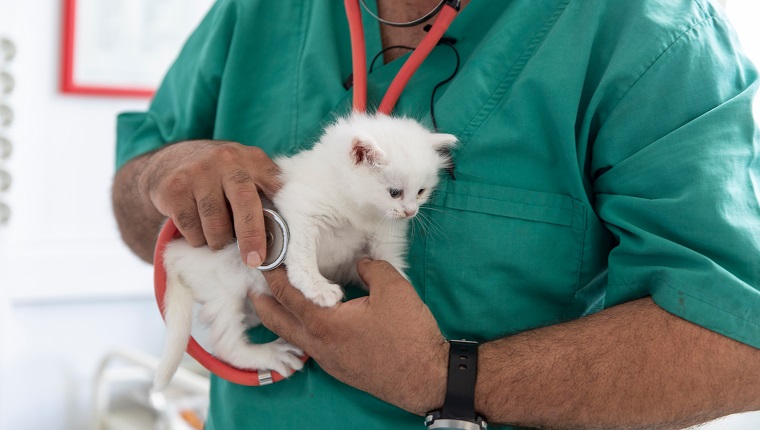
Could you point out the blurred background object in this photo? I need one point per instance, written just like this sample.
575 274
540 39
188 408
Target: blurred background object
6 148
6 83
123 47
119 395
70 291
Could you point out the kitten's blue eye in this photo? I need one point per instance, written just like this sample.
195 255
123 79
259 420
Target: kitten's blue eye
394 192
419 193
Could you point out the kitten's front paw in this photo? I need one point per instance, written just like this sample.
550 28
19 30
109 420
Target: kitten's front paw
285 358
324 294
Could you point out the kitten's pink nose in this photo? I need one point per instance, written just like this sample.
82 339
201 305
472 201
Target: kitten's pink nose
410 212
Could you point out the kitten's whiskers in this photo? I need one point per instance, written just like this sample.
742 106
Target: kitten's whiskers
429 224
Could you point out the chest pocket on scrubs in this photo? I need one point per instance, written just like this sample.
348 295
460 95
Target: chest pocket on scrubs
499 259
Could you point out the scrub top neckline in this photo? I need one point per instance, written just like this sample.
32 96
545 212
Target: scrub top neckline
374 40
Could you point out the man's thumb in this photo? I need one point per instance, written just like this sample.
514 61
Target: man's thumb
380 275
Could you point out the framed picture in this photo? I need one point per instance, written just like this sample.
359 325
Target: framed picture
123 47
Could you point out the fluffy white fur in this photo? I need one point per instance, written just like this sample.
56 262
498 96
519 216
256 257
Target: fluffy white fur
350 196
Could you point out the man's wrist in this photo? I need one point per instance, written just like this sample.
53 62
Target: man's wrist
145 179
431 389
440 376
137 218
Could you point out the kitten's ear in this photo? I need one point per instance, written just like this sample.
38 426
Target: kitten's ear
365 151
444 142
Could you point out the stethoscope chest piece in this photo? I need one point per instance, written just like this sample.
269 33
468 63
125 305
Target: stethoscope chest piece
278 238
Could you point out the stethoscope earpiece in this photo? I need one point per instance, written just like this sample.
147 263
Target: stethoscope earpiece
412 23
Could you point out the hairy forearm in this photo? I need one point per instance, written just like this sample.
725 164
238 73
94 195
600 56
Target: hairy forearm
633 366
138 220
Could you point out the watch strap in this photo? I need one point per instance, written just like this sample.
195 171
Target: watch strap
458 411
460 386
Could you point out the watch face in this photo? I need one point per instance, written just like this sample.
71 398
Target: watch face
453 424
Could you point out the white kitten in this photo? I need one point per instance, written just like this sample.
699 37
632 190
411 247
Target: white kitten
350 196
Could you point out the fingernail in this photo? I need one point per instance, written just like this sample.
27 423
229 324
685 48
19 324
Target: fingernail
253 259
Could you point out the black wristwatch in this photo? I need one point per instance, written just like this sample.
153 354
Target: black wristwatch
458 411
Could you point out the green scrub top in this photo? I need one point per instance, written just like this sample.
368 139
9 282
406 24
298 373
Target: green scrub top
607 153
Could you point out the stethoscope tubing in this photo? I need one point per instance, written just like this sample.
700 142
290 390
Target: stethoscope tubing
359 56
219 368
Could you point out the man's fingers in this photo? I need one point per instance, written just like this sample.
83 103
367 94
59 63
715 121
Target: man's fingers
241 192
278 319
186 218
178 203
242 189
287 295
314 318
215 218
266 173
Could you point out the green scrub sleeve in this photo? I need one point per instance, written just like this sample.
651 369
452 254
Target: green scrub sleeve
676 179
183 108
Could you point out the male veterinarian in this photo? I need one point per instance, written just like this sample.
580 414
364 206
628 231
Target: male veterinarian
600 238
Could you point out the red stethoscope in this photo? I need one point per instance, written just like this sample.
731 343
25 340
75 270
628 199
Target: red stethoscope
447 11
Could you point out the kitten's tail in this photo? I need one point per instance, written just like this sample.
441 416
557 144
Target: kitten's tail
178 314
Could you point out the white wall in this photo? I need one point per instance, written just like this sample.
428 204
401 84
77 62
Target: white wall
69 290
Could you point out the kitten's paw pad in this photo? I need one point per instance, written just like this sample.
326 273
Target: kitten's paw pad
325 294
286 358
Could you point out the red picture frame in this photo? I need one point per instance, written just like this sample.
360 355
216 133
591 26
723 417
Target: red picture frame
69 85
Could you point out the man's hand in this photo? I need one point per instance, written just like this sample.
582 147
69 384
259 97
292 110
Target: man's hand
210 188
387 344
